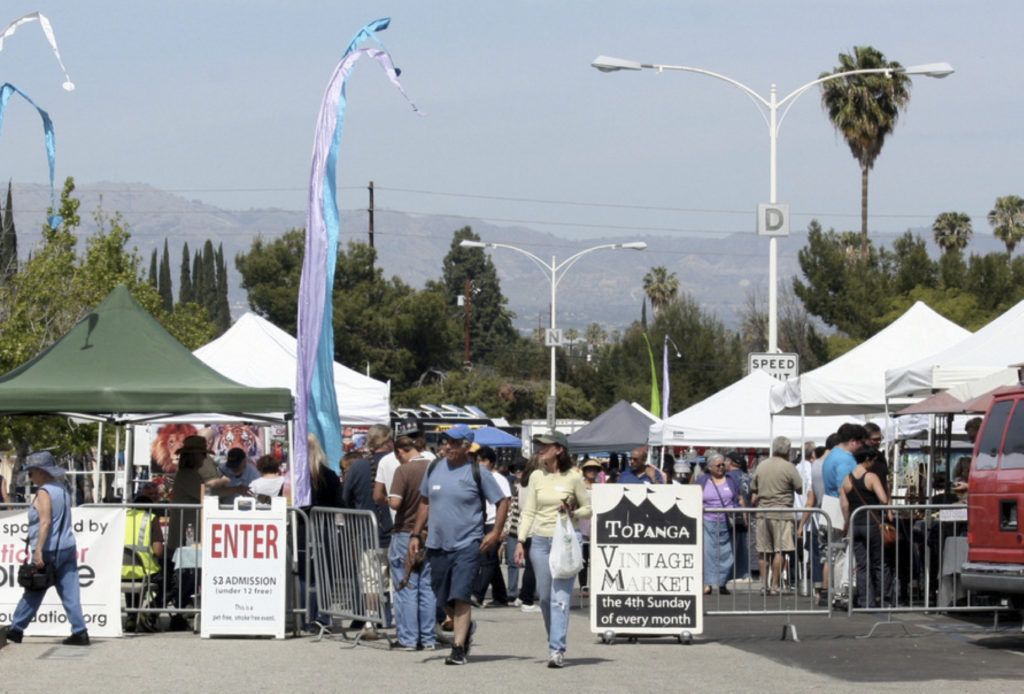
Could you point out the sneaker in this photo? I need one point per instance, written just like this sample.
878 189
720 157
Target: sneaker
469 636
517 602
530 608
403 647
557 659
456 657
80 638
426 647
475 601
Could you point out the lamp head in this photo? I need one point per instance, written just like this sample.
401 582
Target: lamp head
634 245
936 70
606 64
466 243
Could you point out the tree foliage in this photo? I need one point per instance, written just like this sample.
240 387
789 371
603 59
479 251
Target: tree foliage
661 287
1007 220
864 110
952 231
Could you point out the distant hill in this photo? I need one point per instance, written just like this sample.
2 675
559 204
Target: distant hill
605 287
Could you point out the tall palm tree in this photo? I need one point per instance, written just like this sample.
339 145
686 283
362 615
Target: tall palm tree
952 231
661 287
1007 220
864 109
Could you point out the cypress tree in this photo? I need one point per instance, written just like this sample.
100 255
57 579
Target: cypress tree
222 314
164 282
185 292
152 269
8 241
207 291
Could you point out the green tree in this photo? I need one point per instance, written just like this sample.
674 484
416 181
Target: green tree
913 266
864 110
163 285
8 240
221 310
185 293
153 272
270 273
1007 220
490 323
661 287
840 285
952 231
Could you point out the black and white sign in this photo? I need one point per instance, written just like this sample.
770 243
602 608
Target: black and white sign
244 554
645 559
773 219
780 365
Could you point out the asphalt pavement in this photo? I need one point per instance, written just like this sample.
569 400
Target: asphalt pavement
735 653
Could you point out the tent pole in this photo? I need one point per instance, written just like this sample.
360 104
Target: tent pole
290 423
97 478
117 448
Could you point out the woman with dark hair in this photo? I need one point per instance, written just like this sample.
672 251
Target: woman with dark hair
864 487
554 489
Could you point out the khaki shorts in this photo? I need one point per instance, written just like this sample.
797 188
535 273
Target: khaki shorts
775 533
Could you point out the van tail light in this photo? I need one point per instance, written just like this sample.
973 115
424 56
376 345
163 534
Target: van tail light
970 539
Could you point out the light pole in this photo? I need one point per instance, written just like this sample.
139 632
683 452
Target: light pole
557 272
774 121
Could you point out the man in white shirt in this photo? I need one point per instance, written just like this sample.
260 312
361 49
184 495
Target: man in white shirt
389 463
489 573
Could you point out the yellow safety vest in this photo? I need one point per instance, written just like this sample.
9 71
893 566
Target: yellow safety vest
138 525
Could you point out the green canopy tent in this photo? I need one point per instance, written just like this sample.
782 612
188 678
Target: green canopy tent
119 365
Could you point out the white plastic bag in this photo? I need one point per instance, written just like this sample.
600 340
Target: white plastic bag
566 558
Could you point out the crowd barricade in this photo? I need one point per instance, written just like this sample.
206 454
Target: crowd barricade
920 571
172 584
350 580
800 569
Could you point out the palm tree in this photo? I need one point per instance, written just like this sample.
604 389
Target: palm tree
1007 220
864 109
661 287
952 231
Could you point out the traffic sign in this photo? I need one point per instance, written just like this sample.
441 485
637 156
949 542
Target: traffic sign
779 365
773 219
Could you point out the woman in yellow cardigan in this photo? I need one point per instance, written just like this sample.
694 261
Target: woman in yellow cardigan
554 489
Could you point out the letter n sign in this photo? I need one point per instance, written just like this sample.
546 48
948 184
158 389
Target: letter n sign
773 219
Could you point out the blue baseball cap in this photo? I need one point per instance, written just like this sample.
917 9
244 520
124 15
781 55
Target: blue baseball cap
460 431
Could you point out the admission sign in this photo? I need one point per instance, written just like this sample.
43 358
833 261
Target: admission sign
646 560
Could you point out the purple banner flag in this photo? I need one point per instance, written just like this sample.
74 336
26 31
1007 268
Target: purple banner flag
316 404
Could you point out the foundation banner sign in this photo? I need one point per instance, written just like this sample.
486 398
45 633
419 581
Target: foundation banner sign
646 559
99 538
244 553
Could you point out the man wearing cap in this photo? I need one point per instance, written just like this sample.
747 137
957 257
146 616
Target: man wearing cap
238 473
387 465
640 471
454 494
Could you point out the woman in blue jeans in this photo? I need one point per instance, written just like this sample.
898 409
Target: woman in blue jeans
554 489
52 542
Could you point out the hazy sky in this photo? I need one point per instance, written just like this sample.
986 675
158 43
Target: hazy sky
216 101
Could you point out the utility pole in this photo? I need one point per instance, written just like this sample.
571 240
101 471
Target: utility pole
370 210
469 285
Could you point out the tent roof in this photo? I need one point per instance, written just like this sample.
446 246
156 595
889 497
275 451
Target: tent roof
993 348
940 403
257 353
620 427
854 383
738 416
496 438
118 360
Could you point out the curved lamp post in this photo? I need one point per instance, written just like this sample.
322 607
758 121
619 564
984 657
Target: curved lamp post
556 271
774 121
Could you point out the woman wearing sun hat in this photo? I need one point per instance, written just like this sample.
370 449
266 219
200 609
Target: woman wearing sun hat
51 542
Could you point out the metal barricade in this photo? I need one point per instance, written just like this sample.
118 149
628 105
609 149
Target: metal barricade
920 572
350 576
787 580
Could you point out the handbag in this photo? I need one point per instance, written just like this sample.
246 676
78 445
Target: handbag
566 558
887 529
40 579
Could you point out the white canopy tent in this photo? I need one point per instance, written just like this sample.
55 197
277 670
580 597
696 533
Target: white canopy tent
255 352
738 416
988 354
854 383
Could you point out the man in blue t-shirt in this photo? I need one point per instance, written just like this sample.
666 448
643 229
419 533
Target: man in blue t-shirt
640 471
452 500
839 463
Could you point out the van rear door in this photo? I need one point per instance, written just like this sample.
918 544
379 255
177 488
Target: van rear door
997 485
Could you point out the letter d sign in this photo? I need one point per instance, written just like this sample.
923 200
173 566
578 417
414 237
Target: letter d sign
773 220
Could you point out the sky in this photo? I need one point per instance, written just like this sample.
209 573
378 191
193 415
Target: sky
216 101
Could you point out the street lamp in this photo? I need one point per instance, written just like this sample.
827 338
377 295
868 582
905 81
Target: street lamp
774 121
557 272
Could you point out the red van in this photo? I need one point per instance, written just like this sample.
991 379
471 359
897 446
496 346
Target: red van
995 539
